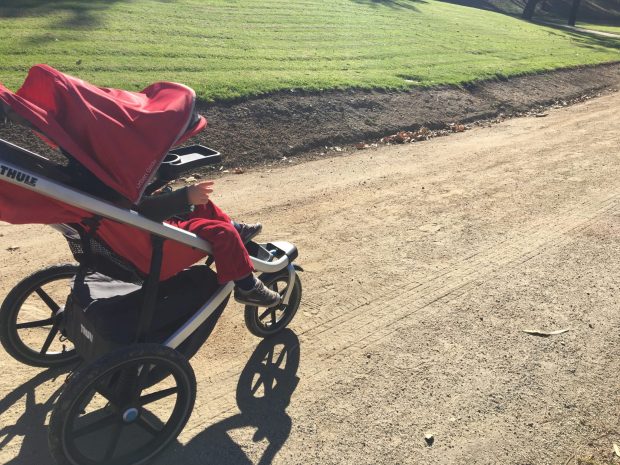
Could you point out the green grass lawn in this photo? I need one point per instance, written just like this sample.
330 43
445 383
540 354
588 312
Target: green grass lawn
600 27
231 48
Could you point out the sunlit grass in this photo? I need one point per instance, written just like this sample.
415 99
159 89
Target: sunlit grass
600 27
233 48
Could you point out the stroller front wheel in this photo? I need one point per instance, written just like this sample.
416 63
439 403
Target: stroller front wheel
266 322
124 408
30 318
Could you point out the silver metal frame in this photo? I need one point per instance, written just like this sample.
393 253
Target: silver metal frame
53 189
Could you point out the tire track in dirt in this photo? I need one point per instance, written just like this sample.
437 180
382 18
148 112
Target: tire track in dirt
327 337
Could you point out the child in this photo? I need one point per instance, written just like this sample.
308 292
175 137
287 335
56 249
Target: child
226 237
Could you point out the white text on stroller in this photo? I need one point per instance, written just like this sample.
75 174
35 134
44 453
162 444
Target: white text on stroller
87 334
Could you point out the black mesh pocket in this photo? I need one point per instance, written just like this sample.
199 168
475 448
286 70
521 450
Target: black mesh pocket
98 257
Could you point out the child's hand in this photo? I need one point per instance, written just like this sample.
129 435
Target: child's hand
198 194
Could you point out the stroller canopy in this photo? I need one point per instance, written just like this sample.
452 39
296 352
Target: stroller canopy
121 137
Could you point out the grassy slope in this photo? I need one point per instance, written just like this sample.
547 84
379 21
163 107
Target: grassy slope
600 27
230 48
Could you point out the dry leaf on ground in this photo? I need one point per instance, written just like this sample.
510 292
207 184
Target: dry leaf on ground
536 332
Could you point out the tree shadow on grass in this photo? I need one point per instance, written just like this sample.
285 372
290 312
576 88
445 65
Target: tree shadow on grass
394 4
585 39
82 14
511 7
263 393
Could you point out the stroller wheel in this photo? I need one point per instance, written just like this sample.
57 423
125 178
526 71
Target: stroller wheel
265 322
115 412
29 318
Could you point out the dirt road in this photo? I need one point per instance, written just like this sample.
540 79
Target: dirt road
424 264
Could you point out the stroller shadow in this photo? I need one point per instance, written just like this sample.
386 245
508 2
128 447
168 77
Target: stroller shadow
30 426
263 393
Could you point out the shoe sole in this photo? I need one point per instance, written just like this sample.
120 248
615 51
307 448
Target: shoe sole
255 304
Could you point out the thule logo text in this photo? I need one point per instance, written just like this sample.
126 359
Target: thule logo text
87 334
18 176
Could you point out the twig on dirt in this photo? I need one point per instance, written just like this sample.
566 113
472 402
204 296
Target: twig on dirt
569 459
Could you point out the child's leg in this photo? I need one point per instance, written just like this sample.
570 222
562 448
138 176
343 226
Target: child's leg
231 257
213 212
209 211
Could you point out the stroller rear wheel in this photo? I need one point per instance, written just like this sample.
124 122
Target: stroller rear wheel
266 322
30 318
124 408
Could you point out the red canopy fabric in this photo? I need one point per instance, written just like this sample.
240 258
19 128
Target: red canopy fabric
120 136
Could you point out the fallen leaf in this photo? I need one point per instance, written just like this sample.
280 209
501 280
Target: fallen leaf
536 332
12 248
541 115
616 450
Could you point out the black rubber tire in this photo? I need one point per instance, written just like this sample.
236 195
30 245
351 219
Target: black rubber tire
9 312
102 376
282 314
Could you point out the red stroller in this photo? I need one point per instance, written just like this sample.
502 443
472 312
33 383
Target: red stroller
134 310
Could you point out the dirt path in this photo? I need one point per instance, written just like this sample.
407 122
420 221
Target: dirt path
424 263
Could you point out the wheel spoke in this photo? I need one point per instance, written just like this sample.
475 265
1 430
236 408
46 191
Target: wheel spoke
35 324
280 359
54 307
141 381
155 396
116 435
273 317
265 313
148 426
101 423
49 339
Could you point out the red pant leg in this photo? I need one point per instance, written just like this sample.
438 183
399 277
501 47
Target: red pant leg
209 211
211 224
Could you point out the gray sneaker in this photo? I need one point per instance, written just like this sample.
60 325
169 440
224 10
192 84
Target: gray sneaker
247 232
259 295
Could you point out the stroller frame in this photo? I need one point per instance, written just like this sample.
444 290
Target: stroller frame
34 179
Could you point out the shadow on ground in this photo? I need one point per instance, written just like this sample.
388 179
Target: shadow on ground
31 424
600 11
263 393
590 40
81 14
510 7
395 4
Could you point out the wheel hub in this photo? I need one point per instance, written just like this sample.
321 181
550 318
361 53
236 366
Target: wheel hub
130 415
